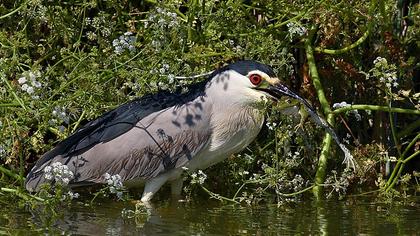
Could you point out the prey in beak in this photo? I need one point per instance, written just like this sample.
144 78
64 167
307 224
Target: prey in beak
276 89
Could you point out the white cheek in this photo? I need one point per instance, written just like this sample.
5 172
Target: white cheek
257 96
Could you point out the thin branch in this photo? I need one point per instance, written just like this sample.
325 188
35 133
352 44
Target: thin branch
345 49
376 108
14 11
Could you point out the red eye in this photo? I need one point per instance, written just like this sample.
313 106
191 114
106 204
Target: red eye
255 79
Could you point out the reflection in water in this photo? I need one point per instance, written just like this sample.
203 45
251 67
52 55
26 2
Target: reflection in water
351 217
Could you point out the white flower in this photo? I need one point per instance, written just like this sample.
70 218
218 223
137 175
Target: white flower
198 177
61 114
32 75
47 169
28 82
340 105
171 78
24 87
295 29
380 60
36 84
30 89
59 173
48 176
114 183
22 80
72 195
125 41
65 180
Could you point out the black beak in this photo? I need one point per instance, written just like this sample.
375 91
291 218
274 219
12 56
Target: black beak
278 90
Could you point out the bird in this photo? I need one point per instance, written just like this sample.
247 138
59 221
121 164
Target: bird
153 139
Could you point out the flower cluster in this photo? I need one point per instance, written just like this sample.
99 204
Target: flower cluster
165 70
387 73
59 173
345 104
295 29
115 184
70 195
284 184
340 105
100 24
60 113
162 23
199 177
340 184
243 173
271 125
298 183
29 83
124 42
163 18
293 159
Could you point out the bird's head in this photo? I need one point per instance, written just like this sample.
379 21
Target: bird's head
248 82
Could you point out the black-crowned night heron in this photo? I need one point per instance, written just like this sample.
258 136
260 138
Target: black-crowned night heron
149 140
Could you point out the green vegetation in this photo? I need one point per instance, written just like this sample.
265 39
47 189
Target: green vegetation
65 62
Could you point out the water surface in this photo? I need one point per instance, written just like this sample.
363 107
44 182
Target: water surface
355 216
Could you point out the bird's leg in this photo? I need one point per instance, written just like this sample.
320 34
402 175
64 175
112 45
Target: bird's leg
152 186
176 187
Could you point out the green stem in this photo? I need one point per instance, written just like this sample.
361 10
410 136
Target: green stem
11 104
411 157
298 192
409 129
14 11
393 176
395 179
365 35
313 72
326 143
400 164
78 121
18 193
345 49
376 108
298 16
411 144
322 162
14 94
393 133
10 173
217 196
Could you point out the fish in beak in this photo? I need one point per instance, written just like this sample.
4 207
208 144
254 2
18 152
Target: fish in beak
276 90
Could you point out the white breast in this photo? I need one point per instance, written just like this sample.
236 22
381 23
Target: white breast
230 134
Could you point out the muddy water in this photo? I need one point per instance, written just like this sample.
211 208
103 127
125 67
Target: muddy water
355 216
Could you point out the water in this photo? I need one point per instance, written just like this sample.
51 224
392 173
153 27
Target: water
355 216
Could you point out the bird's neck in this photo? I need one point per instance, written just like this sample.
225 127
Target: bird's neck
234 124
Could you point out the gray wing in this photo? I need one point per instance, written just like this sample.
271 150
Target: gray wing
118 142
